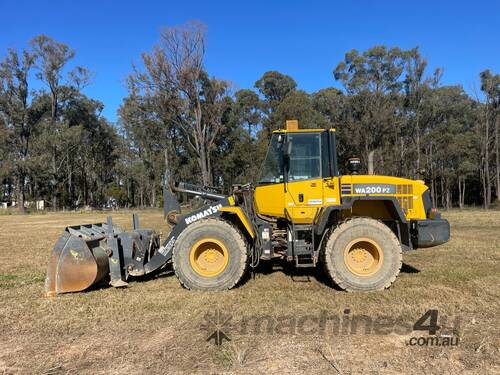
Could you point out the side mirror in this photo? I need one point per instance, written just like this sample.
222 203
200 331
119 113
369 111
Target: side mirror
354 165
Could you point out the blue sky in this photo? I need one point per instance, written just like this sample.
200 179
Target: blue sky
305 39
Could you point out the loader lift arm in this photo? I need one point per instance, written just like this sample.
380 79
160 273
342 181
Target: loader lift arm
221 204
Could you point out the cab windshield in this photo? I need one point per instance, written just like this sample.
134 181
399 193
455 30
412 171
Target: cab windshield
304 159
272 169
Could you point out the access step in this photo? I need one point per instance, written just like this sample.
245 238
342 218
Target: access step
305 261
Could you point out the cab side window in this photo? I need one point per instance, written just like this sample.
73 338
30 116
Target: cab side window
305 157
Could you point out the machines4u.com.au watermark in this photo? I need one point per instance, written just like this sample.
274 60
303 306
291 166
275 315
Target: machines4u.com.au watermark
429 329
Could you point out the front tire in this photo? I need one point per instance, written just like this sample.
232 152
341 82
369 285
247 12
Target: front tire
362 254
210 254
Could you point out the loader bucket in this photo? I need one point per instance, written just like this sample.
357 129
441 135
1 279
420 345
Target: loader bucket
78 259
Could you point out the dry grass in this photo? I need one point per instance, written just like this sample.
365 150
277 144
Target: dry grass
154 325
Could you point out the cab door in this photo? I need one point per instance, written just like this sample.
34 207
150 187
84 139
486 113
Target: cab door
269 195
304 187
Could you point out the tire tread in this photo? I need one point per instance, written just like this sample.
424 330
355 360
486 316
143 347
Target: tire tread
242 246
335 232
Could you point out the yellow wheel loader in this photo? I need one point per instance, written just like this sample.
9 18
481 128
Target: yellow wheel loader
301 209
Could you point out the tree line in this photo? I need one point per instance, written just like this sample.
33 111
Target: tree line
391 111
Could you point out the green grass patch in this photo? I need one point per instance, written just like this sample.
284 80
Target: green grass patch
13 280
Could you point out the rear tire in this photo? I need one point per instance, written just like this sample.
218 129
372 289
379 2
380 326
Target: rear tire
210 254
362 255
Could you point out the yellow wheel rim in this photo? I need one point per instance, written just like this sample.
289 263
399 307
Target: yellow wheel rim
208 257
363 257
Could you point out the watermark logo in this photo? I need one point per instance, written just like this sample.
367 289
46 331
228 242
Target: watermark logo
216 323
220 326
429 323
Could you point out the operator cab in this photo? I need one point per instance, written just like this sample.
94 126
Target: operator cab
299 155
303 163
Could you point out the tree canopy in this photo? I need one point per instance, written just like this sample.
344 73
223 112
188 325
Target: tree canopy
177 118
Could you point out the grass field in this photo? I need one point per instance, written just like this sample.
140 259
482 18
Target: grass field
157 326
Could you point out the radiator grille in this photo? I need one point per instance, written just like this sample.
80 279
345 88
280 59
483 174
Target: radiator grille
404 189
406 202
345 189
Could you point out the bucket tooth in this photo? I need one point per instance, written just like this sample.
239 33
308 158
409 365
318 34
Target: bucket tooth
119 283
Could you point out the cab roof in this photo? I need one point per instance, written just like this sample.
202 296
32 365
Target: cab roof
292 126
301 130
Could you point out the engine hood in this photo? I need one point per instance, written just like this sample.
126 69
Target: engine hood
407 192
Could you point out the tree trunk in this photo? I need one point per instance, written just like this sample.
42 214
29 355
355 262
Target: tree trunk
209 169
401 156
20 193
497 158
487 164
370 161
53 115
128 193
433 193
70 183
448 198
433 178
417 129
167 164
202 161
85 187
153 196
462 198
461 191
483 183
443 200
201 143
53 104
54 179
460 205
